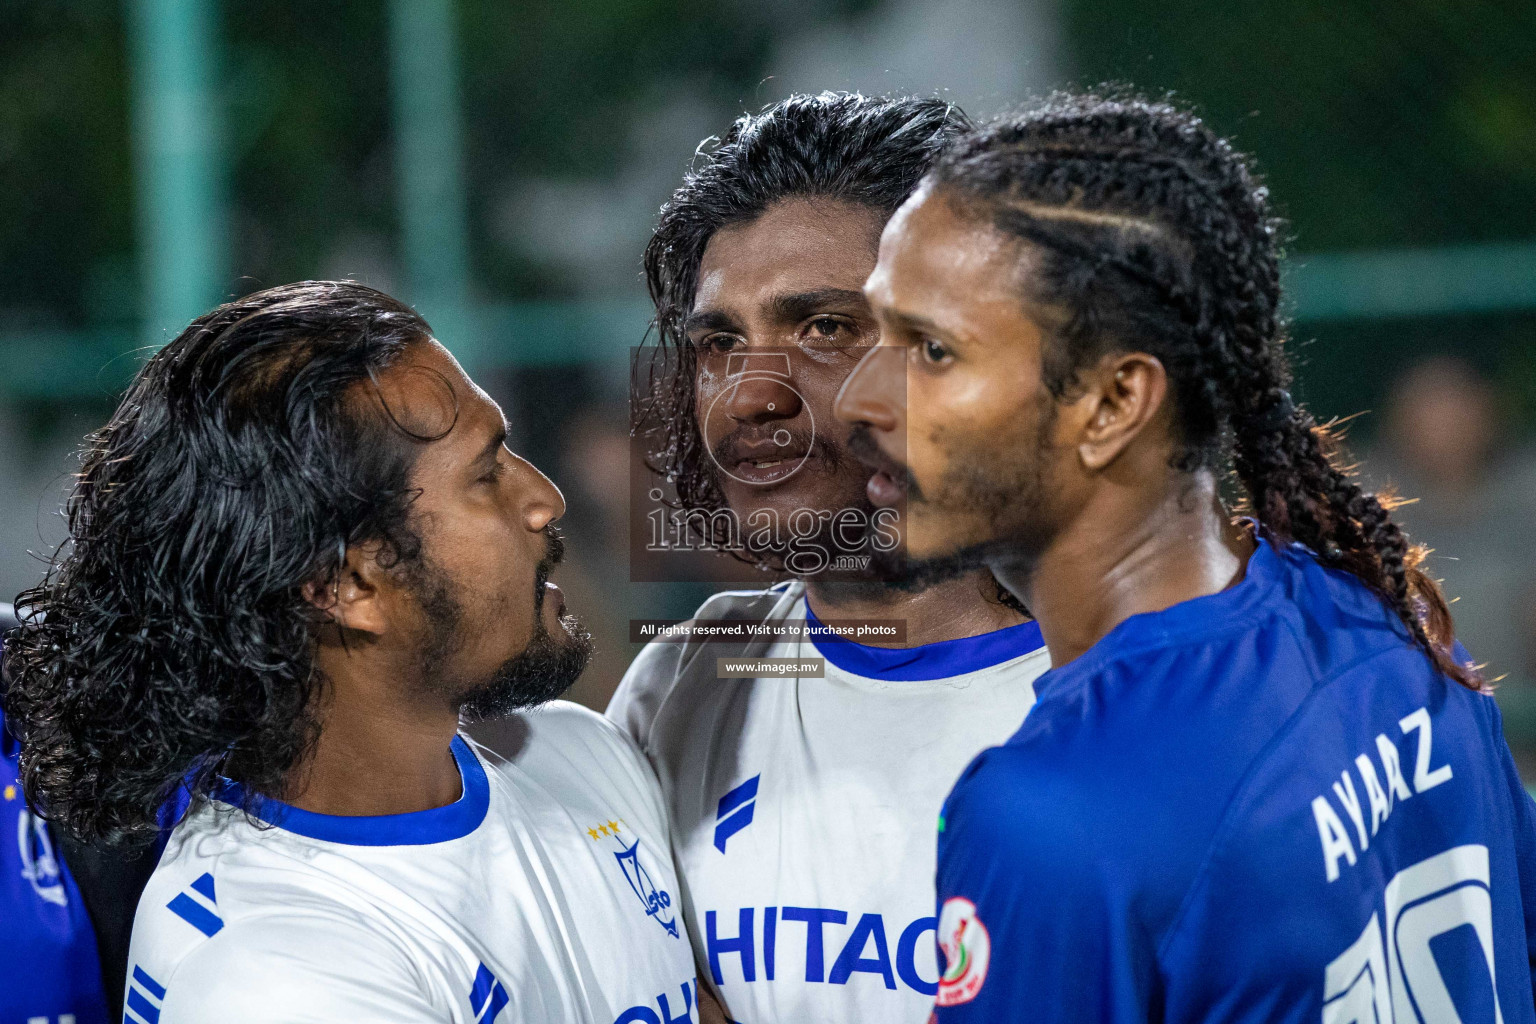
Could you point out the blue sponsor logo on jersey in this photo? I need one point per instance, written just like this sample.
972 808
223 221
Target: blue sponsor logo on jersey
735 811
865 949
145 995
646 1015
487 998
198 906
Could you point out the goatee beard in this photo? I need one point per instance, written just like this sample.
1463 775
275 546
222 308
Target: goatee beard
545 670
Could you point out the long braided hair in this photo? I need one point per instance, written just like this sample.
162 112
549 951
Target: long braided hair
1154 234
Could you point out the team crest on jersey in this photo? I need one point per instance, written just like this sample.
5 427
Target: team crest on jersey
39 863
967 951
657 901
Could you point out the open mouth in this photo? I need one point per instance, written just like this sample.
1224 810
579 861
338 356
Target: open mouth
888 479
764 471
886 489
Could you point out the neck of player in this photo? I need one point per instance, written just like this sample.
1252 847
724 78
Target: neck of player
956 608
385 747
1128 552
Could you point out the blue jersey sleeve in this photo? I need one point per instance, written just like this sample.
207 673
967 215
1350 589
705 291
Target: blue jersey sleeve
49 967
1524 838
1030 915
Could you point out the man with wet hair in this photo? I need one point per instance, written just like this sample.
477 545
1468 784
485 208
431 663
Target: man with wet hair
803 805
298 553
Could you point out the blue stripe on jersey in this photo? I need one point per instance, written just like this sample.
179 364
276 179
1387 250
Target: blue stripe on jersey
150 985
204 884
481 991
143 1007
417 828
487 997
929 661
195 914
499 1001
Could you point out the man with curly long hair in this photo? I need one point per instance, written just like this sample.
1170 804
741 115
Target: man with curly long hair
298 553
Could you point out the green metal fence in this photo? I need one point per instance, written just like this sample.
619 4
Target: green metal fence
182 200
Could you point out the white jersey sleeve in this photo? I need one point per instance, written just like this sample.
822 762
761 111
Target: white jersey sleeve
579 742
649 681
288 968
645 687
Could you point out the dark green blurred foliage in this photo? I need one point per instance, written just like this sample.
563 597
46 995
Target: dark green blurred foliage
1349 367
1378 124
306 97
547 89
66 208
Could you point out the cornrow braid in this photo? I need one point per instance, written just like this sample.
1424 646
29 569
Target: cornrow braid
1155 234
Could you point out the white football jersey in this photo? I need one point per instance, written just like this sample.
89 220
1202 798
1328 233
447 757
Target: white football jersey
545 893
805 811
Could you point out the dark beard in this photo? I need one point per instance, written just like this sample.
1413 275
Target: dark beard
544 670
911 575
1011 494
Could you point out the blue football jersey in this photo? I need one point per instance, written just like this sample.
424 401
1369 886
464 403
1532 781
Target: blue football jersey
49 970
1260 805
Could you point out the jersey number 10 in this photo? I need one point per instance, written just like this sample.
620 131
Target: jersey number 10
1391 977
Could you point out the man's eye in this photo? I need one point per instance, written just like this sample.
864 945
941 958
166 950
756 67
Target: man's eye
494 474
826 328
932 351
718 343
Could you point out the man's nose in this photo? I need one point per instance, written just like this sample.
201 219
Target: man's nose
875 393
542 502
760 398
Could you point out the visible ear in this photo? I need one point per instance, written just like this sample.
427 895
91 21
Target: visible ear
1124 393
357 596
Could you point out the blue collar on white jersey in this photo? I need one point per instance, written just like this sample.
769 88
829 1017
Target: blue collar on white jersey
417 828
930 661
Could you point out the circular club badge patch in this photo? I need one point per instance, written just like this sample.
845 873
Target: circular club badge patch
967 950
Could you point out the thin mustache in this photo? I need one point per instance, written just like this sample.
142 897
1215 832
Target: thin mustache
862 444
824 447
554 554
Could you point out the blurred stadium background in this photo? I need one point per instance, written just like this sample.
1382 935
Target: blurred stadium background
499 162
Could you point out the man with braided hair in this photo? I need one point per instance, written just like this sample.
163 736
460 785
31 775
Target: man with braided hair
1262 782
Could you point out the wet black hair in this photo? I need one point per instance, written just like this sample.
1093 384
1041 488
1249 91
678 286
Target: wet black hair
870 151
170 642
1151 233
